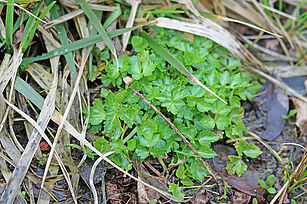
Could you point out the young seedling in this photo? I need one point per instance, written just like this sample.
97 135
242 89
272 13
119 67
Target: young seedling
268 184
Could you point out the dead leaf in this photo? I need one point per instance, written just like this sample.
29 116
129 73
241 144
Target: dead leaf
247 183
152 180
113 193
142 194
146 194
276 103
240 198
18 35
301 116
201 197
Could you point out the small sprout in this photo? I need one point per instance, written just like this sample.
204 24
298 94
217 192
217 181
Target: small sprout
268 184
290 114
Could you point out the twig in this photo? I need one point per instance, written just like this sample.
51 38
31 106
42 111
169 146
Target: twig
269 148
178 132
278 83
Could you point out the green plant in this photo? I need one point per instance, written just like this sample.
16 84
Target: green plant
268 184
290 114
133 129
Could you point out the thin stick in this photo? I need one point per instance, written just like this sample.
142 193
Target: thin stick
269 148
278 83
178 132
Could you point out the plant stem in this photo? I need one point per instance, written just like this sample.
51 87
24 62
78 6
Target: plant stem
178 132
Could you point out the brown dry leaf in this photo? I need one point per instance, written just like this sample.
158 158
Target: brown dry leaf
146 194
301 116
240 198
276 103
18 35
201 197
113 193
142 194
247 183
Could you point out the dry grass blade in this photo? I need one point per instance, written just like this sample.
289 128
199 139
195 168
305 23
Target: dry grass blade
26 158
293 178
41 132
243 9
269 148
29 13
278 12
126 36
63 18
91 179
249 25
10 71
7 144
57 118
61 125
272 26
269 52
5 63
55 66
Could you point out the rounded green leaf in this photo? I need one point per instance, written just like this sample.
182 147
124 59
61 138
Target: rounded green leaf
139 43
208 122
97 112
262 184
272 190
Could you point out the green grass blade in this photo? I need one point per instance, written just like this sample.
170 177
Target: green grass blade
95 21
76 45
24 1
64 40
114 15
17 23
16 26
92 32
29 25
9 19
2 43
174 61
37 22
27 91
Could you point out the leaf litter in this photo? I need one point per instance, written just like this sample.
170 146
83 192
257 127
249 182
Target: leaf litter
66 123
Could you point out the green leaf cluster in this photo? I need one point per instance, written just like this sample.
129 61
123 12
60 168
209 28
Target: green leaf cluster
134 130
